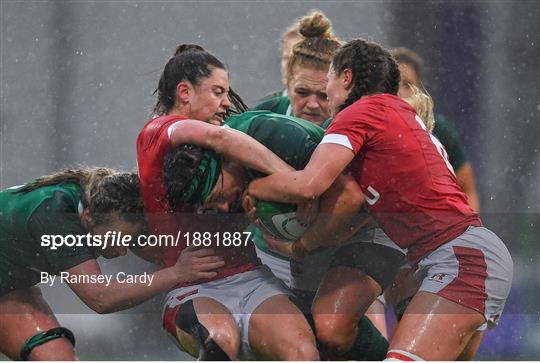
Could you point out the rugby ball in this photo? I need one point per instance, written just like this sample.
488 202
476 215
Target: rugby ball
279 219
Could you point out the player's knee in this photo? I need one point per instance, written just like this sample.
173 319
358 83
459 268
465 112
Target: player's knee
55 350
227 339
218 338
335 332
54 344
301 351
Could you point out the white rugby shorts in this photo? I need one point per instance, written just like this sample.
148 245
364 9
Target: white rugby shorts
473 270
241 294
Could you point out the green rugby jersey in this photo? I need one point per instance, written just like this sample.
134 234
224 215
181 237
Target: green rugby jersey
449 137
279 104
290 138
24 218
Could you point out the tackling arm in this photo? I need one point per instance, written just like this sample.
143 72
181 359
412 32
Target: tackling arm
325 165
232 144
103 297
338 219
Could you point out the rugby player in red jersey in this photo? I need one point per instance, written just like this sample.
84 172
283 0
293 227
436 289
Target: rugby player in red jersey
244 312
411 190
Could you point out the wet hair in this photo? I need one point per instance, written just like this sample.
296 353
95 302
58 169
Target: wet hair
374 70
407 56
423 104
190 62
180 168
290 32
104 192
318 46
237 103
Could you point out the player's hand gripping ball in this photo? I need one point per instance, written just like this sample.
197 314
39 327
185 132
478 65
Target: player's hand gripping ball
279 220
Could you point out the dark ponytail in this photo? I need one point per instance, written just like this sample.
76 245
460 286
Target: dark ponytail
190 62
374 70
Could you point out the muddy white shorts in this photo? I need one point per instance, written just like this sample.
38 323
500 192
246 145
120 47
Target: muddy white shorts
473 270
241 294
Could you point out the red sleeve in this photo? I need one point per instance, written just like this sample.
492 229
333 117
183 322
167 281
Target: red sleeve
353 127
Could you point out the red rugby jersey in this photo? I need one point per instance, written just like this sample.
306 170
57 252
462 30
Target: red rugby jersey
403 171
153 143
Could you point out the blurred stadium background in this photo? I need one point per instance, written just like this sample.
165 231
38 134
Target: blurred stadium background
77 80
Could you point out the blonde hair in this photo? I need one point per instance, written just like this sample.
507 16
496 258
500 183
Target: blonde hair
317 20
315 25
423 104
317 48
290 32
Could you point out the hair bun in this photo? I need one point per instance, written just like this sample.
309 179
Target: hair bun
187 47
315 25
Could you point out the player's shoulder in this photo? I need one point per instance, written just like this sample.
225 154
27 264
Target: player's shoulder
48 202
63 200
242 121
63 197
362 110
383 102
386 109
274 104
153 132
58 198
157 123
372 112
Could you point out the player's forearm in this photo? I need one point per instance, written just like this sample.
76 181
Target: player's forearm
232 144
282 187
310 183
338 217
245 150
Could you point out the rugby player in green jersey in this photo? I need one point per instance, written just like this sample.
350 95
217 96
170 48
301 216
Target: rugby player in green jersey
205 180
72 203
305 72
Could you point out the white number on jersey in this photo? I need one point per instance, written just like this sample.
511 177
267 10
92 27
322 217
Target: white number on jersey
375 195
438 145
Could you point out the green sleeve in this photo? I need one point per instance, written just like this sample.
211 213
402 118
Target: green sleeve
327 123
449 137
58 216
292 141
279 105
